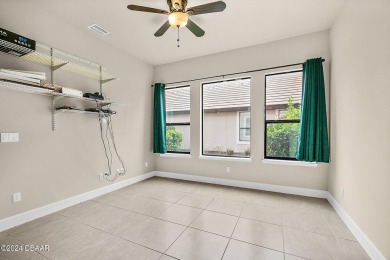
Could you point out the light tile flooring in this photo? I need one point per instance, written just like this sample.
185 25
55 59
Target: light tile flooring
171 219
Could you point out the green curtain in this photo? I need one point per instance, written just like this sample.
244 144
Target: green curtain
313 143
159 119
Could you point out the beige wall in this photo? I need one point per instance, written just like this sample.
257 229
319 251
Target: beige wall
278 53
47 166
360 44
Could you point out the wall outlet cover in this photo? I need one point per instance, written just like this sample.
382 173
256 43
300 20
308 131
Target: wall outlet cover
16 197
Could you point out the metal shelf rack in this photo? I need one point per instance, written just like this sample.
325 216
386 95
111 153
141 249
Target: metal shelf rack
55 97
60 60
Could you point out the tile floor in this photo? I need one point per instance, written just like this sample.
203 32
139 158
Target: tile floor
171 219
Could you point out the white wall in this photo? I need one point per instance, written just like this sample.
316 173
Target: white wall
289 51
360 48
48 166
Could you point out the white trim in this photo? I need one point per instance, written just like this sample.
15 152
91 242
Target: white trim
238 129
176 155
364 241
246 184
221 158
24 217
286 162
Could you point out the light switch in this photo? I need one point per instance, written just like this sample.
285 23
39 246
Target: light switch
9 137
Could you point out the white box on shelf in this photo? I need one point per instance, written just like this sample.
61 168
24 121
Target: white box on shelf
72 92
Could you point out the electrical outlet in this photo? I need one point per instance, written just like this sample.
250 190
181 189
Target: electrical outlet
146 165
227 169
16 197
101 176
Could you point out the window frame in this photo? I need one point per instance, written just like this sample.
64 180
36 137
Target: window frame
202 116
266 122
239 141
174 124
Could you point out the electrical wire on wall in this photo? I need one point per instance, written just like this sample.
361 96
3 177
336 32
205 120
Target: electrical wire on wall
108 140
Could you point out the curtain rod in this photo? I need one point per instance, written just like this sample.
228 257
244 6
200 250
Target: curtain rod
236 73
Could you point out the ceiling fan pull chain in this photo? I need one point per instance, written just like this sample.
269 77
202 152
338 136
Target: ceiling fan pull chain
178 36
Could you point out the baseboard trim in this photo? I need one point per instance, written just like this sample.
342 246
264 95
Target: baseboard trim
364 241
30 215
246 184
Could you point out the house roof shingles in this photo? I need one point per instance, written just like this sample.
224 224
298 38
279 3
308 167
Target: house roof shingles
236 93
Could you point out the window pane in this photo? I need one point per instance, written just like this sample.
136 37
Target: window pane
226 118
282 139
178 138
245 134
178 119
245 119
283 96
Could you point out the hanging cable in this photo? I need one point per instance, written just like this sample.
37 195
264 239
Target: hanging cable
105 117
104 144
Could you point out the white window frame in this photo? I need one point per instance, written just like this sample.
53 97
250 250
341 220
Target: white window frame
238 127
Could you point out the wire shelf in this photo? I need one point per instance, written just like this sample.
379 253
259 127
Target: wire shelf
47 92
42 58
77 111
59 111
25 88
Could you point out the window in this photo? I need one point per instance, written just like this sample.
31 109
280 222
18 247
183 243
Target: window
244 133
283 93
221 102
177 102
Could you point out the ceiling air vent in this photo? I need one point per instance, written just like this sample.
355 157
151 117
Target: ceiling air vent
97 29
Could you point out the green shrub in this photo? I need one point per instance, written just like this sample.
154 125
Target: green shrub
174 139
282 139
229 152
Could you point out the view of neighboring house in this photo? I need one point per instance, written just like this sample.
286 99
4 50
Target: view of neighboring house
226 112
279 88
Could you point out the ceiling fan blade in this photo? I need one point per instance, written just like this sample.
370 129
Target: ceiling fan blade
162 29
214 7
194 28
146 9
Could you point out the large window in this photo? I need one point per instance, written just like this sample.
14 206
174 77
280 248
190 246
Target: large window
177 102
283 93
226 118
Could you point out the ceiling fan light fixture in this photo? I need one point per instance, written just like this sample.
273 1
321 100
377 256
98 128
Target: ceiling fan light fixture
178 19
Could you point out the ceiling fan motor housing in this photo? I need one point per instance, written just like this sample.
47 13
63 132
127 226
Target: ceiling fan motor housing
181 3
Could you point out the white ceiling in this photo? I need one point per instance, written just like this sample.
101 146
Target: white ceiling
243 23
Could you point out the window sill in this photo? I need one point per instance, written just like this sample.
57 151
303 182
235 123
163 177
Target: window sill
176 155
219 158
286 162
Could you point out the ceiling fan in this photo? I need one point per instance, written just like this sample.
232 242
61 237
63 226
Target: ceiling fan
179 14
